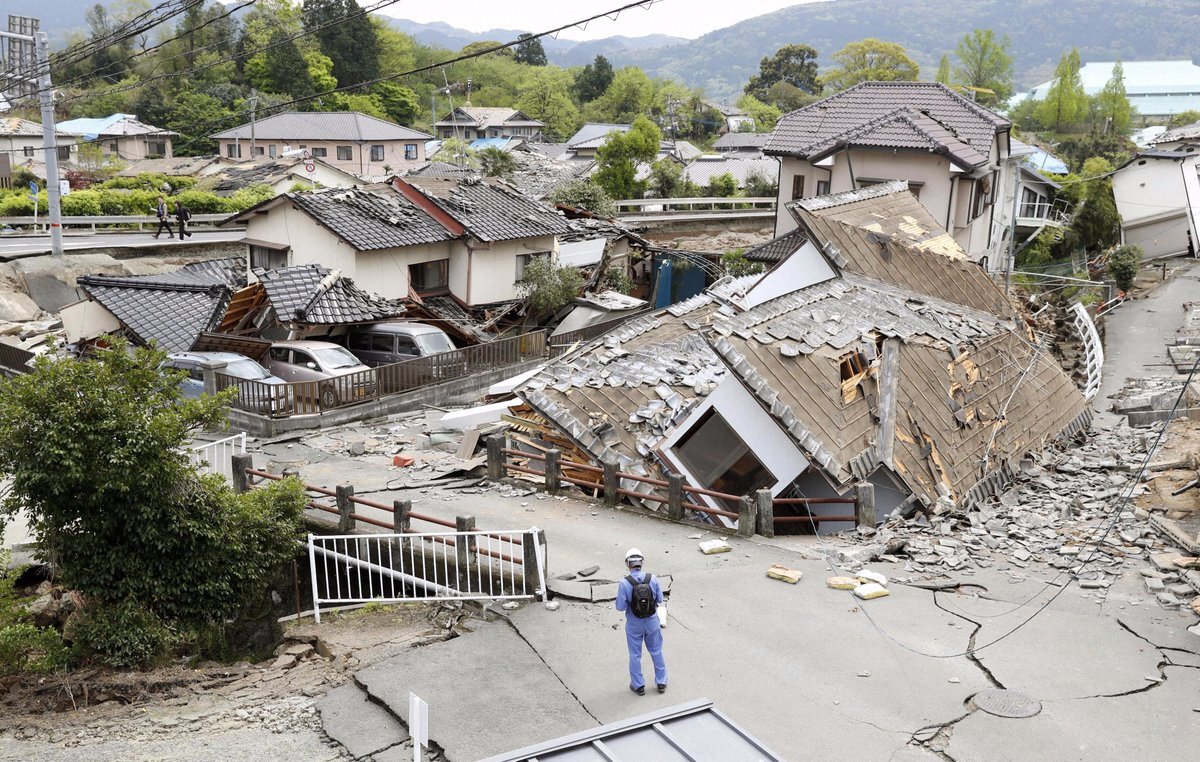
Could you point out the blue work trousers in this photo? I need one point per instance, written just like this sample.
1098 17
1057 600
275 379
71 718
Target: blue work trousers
648 631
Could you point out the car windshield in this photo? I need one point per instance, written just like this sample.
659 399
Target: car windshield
247 369
432 343
336 358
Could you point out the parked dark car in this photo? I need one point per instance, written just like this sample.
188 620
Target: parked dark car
393 342
340 377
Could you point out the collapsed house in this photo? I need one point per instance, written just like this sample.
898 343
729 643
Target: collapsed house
875 351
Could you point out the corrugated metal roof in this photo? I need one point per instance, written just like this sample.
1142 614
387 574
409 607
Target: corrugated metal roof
691 731
813 128
323 125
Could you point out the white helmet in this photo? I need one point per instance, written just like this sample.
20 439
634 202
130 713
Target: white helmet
633 557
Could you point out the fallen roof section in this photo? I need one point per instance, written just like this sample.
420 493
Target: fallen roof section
695 730
315 295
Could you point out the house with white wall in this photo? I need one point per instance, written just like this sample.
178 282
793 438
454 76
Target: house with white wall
951 151
123 136
347 140
474 123
1158 198
21 139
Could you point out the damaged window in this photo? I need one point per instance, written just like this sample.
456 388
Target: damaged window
718 458
430 277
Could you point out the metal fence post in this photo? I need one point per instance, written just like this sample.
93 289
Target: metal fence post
612 485
464 551
675 497
553 470
864 504
745 527
346 522
766 513
497 467
241 480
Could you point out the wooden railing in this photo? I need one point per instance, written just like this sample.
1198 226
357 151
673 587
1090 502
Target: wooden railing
756 513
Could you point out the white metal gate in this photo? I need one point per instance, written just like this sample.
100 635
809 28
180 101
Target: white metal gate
217 457
393 568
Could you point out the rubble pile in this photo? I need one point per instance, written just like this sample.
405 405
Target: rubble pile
1053 520
1149 400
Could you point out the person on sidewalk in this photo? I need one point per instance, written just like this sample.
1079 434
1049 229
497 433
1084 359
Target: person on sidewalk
639 595
164 218
182 215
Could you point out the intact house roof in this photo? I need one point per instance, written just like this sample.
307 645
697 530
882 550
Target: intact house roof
315 295
172 309
479 117
593 134
883 365
489 210
741 141
323 125
365 219
899 115
113 126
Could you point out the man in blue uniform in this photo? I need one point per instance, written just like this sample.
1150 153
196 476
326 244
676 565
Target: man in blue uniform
638 595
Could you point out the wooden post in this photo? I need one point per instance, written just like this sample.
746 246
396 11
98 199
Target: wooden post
241 480
553 471
400 519
745 527
766 513
612 485
675 497
497 467
464 550
346 522
864 504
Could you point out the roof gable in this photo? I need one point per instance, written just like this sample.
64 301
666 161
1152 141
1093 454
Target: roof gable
490 210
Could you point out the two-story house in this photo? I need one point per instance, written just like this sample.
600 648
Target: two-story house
950 150
122 136
474 122
21 139
346 140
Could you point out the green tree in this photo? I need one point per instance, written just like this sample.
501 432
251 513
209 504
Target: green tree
347 36
666 178
735 264
545 96
398 102
282 69
985 62
494 162
943 71
1066 102
1123 264
618 157
629 95
95 454
1112 104
548 286
764 114
584 193
193 115
870 60
593 80
787 97
759 185
530 51
1095 224
1184 118
794 64
723 185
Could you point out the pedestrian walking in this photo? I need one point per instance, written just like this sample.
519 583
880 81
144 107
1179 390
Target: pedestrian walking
639 595
164 219
182 215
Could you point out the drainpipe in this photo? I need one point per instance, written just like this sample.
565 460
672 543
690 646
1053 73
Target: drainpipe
950 202
850 167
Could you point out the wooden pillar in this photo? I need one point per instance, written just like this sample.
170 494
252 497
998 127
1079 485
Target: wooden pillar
400 520
241 480
675 497
464 550
612 485
553 471
864 504
766 513
497 466
346 522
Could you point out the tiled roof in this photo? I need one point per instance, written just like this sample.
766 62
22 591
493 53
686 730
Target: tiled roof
114 125
172 308
180 166
733 141
1186 132
593 134
813 128
904 128
369 220
322 125
312 294
884 232
492 211
482 117
12 126
777 249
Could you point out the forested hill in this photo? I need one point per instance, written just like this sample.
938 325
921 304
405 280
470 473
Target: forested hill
722 61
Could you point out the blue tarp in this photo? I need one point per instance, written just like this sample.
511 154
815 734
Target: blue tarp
1044 162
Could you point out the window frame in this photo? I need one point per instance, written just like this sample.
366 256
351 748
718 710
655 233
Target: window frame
417 282
348 151
524 259
319 152
797 187
410 152
764 477
378 151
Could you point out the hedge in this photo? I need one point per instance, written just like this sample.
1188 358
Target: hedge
102 201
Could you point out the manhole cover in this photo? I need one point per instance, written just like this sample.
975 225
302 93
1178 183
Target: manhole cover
1006 703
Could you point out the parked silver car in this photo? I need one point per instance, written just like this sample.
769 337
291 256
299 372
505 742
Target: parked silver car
340 377
272 398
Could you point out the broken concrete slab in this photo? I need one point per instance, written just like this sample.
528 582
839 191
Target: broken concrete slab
783 573
349 717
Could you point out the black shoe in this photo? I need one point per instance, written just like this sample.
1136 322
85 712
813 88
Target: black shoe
156 235
639 691
662 687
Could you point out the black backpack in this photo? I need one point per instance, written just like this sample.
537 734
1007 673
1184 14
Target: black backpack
185 214
642 602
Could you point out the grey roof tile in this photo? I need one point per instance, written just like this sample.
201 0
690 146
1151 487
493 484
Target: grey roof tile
307 294
777 249
491 210
369 220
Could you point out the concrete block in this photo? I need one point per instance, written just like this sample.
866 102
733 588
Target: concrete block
354 721
870 591
783 573
712 547
842 583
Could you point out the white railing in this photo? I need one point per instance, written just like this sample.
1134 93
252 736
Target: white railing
1050 211
40 222
712 204
217 457
1093 350
393 568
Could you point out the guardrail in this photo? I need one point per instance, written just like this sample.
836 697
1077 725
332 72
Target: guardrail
755 513
122 222
687 206
312 397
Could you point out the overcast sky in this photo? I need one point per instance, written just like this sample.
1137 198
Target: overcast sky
680 18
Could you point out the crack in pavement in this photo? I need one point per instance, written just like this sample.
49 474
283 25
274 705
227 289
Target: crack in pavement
1162 665
537 653
991 678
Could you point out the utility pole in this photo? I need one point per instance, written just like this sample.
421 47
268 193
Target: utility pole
49 136
253 114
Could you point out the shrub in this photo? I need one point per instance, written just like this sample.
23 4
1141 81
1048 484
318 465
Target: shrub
549 286
617 279
245 198
150 182
122 635
736 264
203 202
16 205
80 203
586 194
25 648
1123 264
